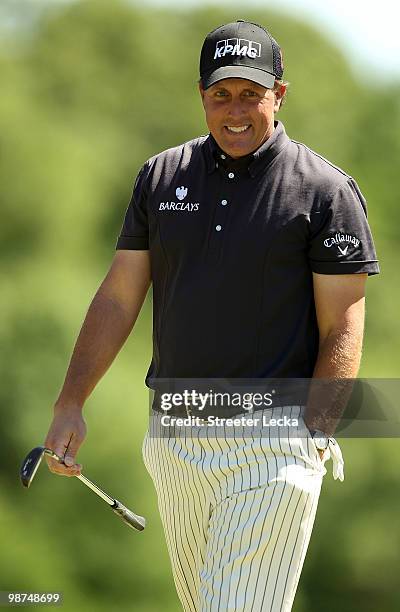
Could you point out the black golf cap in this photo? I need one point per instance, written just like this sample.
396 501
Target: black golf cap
240 49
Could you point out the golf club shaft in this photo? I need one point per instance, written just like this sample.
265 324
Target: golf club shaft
109 500
130 518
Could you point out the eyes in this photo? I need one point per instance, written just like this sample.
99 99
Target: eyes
250 94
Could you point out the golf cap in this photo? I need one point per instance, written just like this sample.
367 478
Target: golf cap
241 50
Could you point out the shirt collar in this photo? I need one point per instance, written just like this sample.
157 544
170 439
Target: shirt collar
254 162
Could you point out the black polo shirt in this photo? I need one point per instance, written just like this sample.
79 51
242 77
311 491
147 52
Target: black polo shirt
233 245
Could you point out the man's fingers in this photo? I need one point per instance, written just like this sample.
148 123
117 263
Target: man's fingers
61 469
71 451
66 434
67 465
69 460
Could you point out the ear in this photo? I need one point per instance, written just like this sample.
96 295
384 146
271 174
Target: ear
279 93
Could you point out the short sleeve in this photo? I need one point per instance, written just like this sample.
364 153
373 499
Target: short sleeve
341 241
135 229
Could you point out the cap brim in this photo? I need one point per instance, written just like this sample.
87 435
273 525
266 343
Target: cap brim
239 72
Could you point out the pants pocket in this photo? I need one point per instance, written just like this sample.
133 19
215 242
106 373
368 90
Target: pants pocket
310 448
332 452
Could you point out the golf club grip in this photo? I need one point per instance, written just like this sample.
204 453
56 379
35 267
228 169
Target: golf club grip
133 520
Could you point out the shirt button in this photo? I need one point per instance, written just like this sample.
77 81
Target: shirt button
218 228
231 175
223 156
224 202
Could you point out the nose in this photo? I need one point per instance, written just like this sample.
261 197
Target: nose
236 108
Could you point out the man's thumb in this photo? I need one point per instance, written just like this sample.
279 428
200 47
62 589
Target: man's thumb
69 460
70 453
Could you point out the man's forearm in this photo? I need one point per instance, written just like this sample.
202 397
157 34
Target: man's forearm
339 355
336 368
104 331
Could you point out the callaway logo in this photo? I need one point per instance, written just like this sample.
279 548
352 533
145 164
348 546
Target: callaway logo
237 46
181 193
337 239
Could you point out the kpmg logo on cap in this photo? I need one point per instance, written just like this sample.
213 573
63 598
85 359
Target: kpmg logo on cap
237 46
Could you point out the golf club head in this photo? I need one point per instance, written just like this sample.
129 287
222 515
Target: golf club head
31 463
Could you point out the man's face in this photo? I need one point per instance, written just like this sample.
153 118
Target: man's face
240 114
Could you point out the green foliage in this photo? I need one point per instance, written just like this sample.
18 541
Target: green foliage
89 92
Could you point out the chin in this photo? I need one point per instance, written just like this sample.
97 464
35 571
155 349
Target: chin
238 151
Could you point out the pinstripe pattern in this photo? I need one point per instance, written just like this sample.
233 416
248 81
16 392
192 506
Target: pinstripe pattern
237 513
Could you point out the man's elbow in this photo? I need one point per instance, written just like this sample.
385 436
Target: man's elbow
350 323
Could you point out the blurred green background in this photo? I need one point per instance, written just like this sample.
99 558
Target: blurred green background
88 92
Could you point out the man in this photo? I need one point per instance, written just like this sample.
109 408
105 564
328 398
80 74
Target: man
258 250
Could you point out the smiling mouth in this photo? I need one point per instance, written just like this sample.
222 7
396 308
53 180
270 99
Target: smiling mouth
237 130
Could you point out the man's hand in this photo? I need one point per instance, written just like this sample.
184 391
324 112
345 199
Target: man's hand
66 434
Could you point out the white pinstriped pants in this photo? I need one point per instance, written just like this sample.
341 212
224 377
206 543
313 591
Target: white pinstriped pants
237 512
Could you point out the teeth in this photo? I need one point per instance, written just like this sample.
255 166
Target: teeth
237 130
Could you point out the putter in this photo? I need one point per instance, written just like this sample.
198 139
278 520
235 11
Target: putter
29 468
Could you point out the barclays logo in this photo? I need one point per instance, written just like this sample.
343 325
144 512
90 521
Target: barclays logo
181 192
